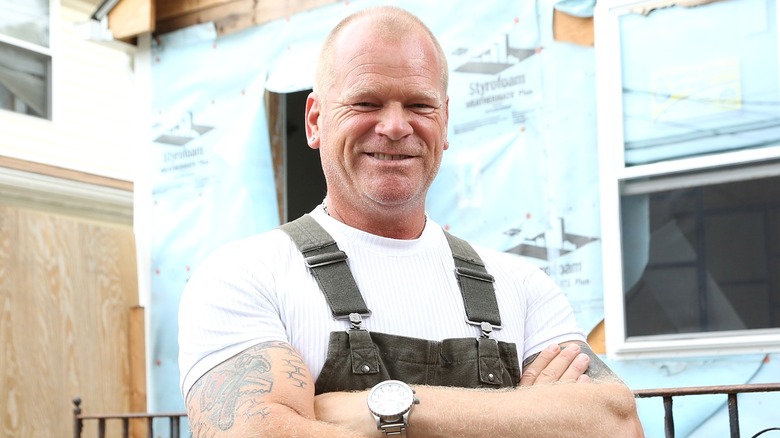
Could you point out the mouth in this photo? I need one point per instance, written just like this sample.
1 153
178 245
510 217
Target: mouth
388 157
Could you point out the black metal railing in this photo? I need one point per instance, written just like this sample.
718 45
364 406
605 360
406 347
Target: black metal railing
667 394
79 418
730 391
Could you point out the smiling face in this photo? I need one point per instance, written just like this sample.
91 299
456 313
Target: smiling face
381 126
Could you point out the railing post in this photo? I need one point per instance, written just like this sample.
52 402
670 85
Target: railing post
668 417
77 422
128 421
174 427
733 415
731 391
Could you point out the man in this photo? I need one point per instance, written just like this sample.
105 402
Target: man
261 353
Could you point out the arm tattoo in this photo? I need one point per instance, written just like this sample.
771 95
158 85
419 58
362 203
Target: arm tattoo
296 371
597 369
239 384
530 359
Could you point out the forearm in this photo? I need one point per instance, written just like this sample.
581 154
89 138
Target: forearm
265 391
269 420
553 410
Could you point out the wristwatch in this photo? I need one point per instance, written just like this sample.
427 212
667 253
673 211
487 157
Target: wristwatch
390 402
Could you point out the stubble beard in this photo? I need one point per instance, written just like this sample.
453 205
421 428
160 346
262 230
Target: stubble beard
368 192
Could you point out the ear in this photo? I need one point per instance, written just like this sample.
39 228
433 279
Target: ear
446 116
312 120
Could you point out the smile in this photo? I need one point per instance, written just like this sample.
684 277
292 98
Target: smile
386 157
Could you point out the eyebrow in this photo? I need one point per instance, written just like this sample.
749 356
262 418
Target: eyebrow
428 95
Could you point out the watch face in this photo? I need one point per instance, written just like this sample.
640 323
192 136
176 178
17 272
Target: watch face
390 398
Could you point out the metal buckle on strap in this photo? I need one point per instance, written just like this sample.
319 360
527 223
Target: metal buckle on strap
486 327
476 275
355 319
328 258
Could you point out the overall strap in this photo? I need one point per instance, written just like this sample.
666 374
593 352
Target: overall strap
476 285
479 298
329 266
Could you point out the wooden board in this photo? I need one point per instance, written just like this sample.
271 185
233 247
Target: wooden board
67 287
130 18
228 15
570 29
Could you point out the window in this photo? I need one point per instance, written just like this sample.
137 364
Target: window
689 145
25 57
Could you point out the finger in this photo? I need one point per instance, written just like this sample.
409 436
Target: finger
555 370
577 368
537 366
583 379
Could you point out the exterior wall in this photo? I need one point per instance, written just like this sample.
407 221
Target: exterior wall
95 127
569 174
70 324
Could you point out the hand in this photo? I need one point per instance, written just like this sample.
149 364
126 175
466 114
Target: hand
348 410
553 364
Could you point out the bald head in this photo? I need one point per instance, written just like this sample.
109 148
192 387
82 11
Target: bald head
390 22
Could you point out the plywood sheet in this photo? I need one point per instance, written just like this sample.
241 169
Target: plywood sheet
66 290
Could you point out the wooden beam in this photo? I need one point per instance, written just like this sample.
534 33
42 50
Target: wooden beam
570 29
264 12
228 15
208 14
276 110
167 9
60 172
130 18
137 359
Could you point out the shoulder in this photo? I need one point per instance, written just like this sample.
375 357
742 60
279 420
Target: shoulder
515 272
249 252
240 267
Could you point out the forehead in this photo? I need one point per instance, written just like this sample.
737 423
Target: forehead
368 56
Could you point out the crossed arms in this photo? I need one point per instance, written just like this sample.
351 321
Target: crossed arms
267 391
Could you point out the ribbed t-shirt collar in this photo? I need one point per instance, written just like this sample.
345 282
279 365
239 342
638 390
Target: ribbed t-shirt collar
345 236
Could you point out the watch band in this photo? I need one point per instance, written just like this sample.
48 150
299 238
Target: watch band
393 429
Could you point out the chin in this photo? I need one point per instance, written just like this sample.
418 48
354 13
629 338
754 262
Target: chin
396 193
394 198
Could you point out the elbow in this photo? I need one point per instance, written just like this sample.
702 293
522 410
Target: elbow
613 407
626 415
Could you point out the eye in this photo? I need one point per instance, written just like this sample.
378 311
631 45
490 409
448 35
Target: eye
422 108
364 106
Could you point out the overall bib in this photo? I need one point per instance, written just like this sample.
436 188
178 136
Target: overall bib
358 359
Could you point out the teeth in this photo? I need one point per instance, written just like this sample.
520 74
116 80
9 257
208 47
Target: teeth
389 157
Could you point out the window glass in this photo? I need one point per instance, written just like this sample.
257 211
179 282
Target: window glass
27 20
687 97
703 258
24 81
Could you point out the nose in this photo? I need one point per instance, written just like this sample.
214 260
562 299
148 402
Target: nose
394 122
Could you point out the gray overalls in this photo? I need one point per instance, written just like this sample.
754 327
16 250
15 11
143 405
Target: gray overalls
358 359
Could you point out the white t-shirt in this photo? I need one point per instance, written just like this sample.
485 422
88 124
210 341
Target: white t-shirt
259 289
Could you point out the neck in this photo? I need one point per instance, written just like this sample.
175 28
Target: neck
393 223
